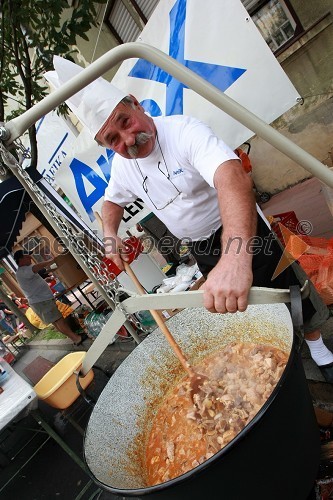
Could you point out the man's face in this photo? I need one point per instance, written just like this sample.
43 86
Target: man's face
128 131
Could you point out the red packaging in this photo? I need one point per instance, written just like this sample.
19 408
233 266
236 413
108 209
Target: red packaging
134 248
9 357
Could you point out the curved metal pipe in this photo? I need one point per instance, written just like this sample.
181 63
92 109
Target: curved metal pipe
19 125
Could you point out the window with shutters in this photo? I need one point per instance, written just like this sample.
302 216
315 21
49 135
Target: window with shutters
276 21
127 18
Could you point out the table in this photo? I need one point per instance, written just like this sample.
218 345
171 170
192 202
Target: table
17 400
18 397
84 292
80 287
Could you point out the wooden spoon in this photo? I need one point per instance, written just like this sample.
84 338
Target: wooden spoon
195 378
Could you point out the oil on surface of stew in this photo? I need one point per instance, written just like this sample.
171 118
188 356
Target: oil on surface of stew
241 378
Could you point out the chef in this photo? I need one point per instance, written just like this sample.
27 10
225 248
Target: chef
195 184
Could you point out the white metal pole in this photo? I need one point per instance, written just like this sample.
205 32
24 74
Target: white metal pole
19 125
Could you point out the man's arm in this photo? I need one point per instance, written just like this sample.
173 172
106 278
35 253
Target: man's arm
41 265
8 311
111 217
228 284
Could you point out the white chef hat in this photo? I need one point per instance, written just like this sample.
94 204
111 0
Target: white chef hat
93 104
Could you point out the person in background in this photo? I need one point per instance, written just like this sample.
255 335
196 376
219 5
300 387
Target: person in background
10 317
40 296
20 302
4 325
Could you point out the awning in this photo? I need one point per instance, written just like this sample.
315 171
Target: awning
15 203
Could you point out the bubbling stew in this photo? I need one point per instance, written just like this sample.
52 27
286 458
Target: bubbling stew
186 431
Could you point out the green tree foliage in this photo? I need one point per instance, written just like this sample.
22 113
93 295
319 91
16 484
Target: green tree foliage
31 32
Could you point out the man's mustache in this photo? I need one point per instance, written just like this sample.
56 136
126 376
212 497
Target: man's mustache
141 138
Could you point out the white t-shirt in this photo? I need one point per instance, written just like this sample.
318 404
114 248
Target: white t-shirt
34 287
176 180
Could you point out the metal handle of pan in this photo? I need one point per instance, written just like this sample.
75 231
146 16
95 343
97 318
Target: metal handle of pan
182 300
296 311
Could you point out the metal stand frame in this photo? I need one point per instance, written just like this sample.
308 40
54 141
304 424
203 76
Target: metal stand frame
16 127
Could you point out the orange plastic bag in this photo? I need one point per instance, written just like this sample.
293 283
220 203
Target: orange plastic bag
317 262
65 309
245 159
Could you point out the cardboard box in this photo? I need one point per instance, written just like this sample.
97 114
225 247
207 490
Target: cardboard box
168 313
197 284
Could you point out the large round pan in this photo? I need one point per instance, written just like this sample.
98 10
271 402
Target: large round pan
114 439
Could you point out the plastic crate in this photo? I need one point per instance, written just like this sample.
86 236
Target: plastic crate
288 220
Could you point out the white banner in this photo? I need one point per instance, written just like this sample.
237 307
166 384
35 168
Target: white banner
83 177
219 41
55 136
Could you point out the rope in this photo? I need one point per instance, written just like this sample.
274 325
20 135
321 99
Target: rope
99 31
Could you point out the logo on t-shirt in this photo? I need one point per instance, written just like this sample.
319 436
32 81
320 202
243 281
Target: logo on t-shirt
177 172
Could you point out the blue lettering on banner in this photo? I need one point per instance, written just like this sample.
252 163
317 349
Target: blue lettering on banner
54 167
152 107
57 149
220 76
80 170
105 164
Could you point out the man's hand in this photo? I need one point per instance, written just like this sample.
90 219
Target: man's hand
42 265
116 250
228 284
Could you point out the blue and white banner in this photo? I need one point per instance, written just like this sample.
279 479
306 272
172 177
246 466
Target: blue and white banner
83 177
219 41
55 137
